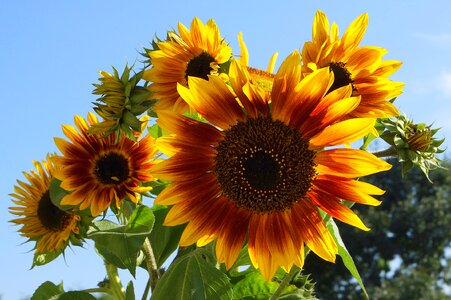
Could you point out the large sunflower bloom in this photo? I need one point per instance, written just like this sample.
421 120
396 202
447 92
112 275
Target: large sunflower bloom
98 170
363 67
196 52
260 169
42 221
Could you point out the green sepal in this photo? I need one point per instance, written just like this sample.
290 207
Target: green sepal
44 258
131 120
140 94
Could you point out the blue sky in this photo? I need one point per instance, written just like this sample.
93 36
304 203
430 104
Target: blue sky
51 53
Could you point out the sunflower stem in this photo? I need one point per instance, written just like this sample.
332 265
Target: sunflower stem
389 152
116 288
152 267
285 282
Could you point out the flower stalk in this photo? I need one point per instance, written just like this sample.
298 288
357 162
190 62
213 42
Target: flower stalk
117 290
151 263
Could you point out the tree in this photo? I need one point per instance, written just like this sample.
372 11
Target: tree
404 255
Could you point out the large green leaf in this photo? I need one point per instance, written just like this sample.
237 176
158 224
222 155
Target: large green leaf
254 286
47 290
344 254
74 295
120 244
50 291
164 239
192 277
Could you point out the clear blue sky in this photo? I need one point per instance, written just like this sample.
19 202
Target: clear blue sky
51 52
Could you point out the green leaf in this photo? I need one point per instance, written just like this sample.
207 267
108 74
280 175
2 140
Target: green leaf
120 244
344 254
191 277
155 131
130 292
74 295
164 239
254 286
47 290
57 193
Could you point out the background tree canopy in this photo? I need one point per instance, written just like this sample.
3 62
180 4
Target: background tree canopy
407 253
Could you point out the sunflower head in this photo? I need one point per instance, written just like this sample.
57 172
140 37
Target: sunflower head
199 52
121 101
42 220
102 170
263 165
362 67
263 78
414 143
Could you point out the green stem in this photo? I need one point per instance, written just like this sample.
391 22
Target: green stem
152 267
285 282
116 288
389 152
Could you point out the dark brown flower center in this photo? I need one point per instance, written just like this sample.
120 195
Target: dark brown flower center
341 74
50 216
200 66
264 165
112 168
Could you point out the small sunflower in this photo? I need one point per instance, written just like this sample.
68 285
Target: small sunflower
362 67
97 170
121 101
413 143
42 221
196 52
263 78
261 170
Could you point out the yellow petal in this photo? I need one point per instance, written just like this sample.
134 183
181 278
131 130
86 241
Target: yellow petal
349 163
341 133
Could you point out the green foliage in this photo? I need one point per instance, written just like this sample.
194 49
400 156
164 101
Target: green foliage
49 291
120 244
253 286
345 256
130 292
164 239
191 277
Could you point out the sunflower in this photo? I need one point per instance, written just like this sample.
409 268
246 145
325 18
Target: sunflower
260 167
263 78
42 221
196 52
97 170
362 67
